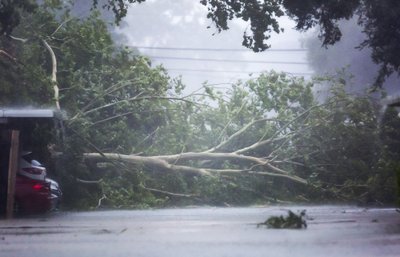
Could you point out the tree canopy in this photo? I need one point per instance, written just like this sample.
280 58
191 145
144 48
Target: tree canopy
378 18
132 139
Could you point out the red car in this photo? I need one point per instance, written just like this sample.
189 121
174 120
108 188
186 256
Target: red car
32 196
34 191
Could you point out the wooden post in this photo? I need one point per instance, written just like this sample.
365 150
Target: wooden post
12 173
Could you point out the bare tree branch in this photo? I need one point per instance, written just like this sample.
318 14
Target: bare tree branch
275 137
210 156
61 25
163 163
110 90
111 118
168 193
132 99
53 73
237 135
230 121
9 56
148 161
101 200
23 40
88 181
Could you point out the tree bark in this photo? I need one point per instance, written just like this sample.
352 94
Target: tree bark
53 74
168 163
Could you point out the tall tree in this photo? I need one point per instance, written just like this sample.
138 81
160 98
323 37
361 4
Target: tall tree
378 19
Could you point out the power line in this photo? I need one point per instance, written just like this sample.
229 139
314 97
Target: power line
234 71
224 60
219 49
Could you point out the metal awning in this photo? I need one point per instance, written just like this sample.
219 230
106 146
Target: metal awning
19 113
27 113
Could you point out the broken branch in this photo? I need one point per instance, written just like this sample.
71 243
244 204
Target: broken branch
53 73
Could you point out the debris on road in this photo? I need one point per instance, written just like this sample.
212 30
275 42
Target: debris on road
292 221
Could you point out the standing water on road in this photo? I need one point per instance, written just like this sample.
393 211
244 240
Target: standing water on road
331 231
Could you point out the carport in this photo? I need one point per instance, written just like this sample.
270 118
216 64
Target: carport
17 127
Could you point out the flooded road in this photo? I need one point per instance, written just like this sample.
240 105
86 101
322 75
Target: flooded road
332 231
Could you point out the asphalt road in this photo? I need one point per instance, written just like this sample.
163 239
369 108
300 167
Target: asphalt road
332 231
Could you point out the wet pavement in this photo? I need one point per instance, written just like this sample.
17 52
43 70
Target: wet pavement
332 231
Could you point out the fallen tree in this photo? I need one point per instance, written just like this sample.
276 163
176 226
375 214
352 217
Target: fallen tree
196 163
245 158
169 163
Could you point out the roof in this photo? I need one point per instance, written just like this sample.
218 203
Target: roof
31 113
26 113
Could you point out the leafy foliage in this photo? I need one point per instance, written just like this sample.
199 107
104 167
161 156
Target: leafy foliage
11 12
118 7
261 16
380 22
291 221
379 19
118 102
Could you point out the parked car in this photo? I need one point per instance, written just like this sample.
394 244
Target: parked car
32 196
56 193
34 191
30 168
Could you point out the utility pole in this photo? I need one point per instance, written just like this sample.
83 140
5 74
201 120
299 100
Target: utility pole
12 172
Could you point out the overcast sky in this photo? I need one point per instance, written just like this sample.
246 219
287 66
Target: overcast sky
183 24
